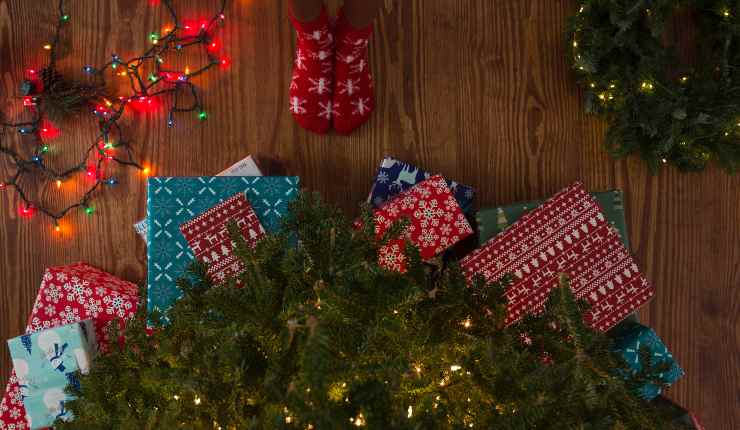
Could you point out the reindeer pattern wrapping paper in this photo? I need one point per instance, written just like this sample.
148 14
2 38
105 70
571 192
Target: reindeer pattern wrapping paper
209 239
395 176
567 234
45 363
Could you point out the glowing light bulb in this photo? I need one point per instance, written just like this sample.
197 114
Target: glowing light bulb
47 46
196 400
59 184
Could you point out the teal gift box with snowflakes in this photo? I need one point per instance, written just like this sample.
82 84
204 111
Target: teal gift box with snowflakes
173 201
45 363
628 342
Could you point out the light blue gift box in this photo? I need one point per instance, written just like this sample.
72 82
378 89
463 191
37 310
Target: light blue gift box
45 363
172 201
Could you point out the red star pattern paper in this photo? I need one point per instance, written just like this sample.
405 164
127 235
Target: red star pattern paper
70 294
436 222
209 239
567 234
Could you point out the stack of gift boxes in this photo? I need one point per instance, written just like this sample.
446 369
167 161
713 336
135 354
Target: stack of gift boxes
68 325
583 235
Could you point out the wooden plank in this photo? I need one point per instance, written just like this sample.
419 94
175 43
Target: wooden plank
475 89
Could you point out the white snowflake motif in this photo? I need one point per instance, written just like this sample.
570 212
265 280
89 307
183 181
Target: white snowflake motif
451 204
100 291
115 305
445 229
320 86
61 277
47 276
408 202
328 109
359 67
383 177
321 55
49 309
70 315
93 308
428 238
362 106
347 59
294 82
15 413
462 225
428 213
76 291
392 258
53 293
300 60
296 106
349 87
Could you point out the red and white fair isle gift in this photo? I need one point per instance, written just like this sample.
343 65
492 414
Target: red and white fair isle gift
567 234
71 294
210 241
436 222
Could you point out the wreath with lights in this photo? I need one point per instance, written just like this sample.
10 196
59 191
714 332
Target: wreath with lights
656 107
49 98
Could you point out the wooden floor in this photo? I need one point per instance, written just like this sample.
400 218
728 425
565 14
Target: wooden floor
475 89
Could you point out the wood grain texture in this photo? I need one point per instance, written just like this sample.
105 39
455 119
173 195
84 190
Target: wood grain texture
475 89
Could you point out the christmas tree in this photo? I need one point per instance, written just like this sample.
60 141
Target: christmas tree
322 337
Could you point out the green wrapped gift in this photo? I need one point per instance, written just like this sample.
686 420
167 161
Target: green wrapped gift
493 221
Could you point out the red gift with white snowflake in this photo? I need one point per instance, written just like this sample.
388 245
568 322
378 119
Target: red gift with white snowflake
70 294
567 234
209 239
436 222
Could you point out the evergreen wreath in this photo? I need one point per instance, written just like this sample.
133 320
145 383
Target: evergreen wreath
655 107
323 338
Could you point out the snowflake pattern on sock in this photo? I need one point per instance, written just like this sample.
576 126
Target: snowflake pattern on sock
312 83
354 97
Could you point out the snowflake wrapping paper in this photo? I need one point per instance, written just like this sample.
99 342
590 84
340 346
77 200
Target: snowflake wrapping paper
493 221
209 239
70 294
627 344
436 222
567 234
45 363
395 176
172 201
244 167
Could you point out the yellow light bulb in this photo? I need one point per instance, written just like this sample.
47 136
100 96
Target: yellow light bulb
47 47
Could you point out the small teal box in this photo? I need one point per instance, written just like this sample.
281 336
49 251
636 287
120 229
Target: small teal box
45 363
628 342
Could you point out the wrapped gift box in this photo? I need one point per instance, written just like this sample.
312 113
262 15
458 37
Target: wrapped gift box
70 294
436 222
45 363
245 167
173 201
395 176
627 344
567 234
209 239
493 221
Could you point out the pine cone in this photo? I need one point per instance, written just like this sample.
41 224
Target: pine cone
52 80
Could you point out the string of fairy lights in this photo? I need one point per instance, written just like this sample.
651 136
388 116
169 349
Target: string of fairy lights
150 81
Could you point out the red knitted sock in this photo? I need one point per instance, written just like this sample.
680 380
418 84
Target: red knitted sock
313 74
354 98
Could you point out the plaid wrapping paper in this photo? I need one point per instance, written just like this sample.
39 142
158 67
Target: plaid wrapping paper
395 176
436 222
568 234
172 201
209 239
70 294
